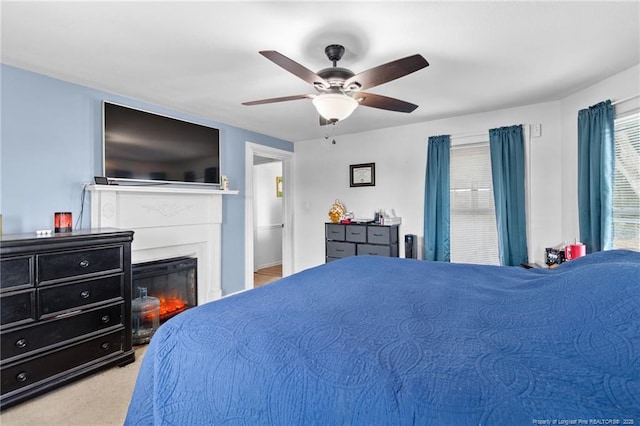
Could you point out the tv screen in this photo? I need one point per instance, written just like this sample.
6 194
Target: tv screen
141 146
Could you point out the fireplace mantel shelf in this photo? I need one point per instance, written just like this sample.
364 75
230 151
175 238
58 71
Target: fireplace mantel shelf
162 189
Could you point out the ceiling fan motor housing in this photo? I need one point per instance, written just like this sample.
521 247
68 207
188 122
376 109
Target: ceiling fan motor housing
335 76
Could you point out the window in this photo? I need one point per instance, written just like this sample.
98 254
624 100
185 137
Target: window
473 234
626 185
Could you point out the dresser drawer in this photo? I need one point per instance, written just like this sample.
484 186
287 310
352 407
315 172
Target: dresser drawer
340 249
58 299
374 250
356 233
54 363
28 339
54 267
18 307
334 231
382 235
16 272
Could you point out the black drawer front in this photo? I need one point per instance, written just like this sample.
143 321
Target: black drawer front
18 307
356 233
381 235
43 367
58 266
340 249
61 298
15 272
334 232
29 339
368 249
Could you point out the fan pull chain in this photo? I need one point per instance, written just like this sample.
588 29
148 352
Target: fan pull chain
329 132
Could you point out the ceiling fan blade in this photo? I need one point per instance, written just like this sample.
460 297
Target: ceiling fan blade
386 72
324 121
295 68
280 99
384 102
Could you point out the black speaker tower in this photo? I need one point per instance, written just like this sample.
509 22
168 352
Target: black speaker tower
411 246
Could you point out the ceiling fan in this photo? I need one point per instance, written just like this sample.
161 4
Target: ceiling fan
340 90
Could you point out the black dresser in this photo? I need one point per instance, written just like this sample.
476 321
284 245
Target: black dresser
65 308
357 239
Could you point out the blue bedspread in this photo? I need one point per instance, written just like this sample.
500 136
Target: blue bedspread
385 341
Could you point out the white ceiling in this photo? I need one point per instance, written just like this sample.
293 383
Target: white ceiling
202 57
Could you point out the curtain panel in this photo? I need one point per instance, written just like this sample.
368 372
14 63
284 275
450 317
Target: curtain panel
595 176
436 200
506 145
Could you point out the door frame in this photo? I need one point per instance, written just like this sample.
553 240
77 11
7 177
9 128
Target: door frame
252 149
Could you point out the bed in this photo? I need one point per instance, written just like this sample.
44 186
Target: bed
386 341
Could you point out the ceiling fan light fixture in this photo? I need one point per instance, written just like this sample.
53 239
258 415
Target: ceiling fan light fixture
334 106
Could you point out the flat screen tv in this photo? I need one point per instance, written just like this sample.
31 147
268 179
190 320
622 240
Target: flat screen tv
140 146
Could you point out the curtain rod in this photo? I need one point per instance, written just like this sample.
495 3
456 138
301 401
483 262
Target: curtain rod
626 99
468 135
478 134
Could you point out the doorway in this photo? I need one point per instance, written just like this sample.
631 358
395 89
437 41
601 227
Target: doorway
267 218
255 153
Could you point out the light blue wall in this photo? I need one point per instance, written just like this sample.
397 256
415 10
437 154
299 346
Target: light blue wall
51 145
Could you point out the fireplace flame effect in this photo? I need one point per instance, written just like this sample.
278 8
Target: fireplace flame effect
168 307
171 306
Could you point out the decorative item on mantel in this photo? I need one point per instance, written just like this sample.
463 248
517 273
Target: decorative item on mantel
337 212
224 183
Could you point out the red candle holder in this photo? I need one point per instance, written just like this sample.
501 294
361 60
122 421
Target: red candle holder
63 222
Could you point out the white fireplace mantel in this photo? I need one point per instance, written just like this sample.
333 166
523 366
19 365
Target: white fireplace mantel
167 222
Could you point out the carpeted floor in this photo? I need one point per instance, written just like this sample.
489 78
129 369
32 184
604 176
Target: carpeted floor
100 399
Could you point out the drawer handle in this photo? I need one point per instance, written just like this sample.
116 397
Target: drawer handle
372 254
339 250
378 235
355 233
21 343
105 346
85 294
84 263
21 377
105 319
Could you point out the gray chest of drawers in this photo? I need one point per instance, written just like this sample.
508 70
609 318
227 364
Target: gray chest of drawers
358 239
65 309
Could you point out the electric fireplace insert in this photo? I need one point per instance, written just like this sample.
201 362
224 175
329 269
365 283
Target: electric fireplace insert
173 281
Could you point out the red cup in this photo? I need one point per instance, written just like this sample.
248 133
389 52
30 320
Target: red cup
574 251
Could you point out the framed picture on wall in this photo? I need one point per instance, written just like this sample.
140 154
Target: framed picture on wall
279 186
362 174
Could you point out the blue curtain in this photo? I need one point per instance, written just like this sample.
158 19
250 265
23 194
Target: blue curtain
436 200
595 176
506 145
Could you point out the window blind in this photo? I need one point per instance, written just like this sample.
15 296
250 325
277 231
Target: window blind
626 185
473 234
